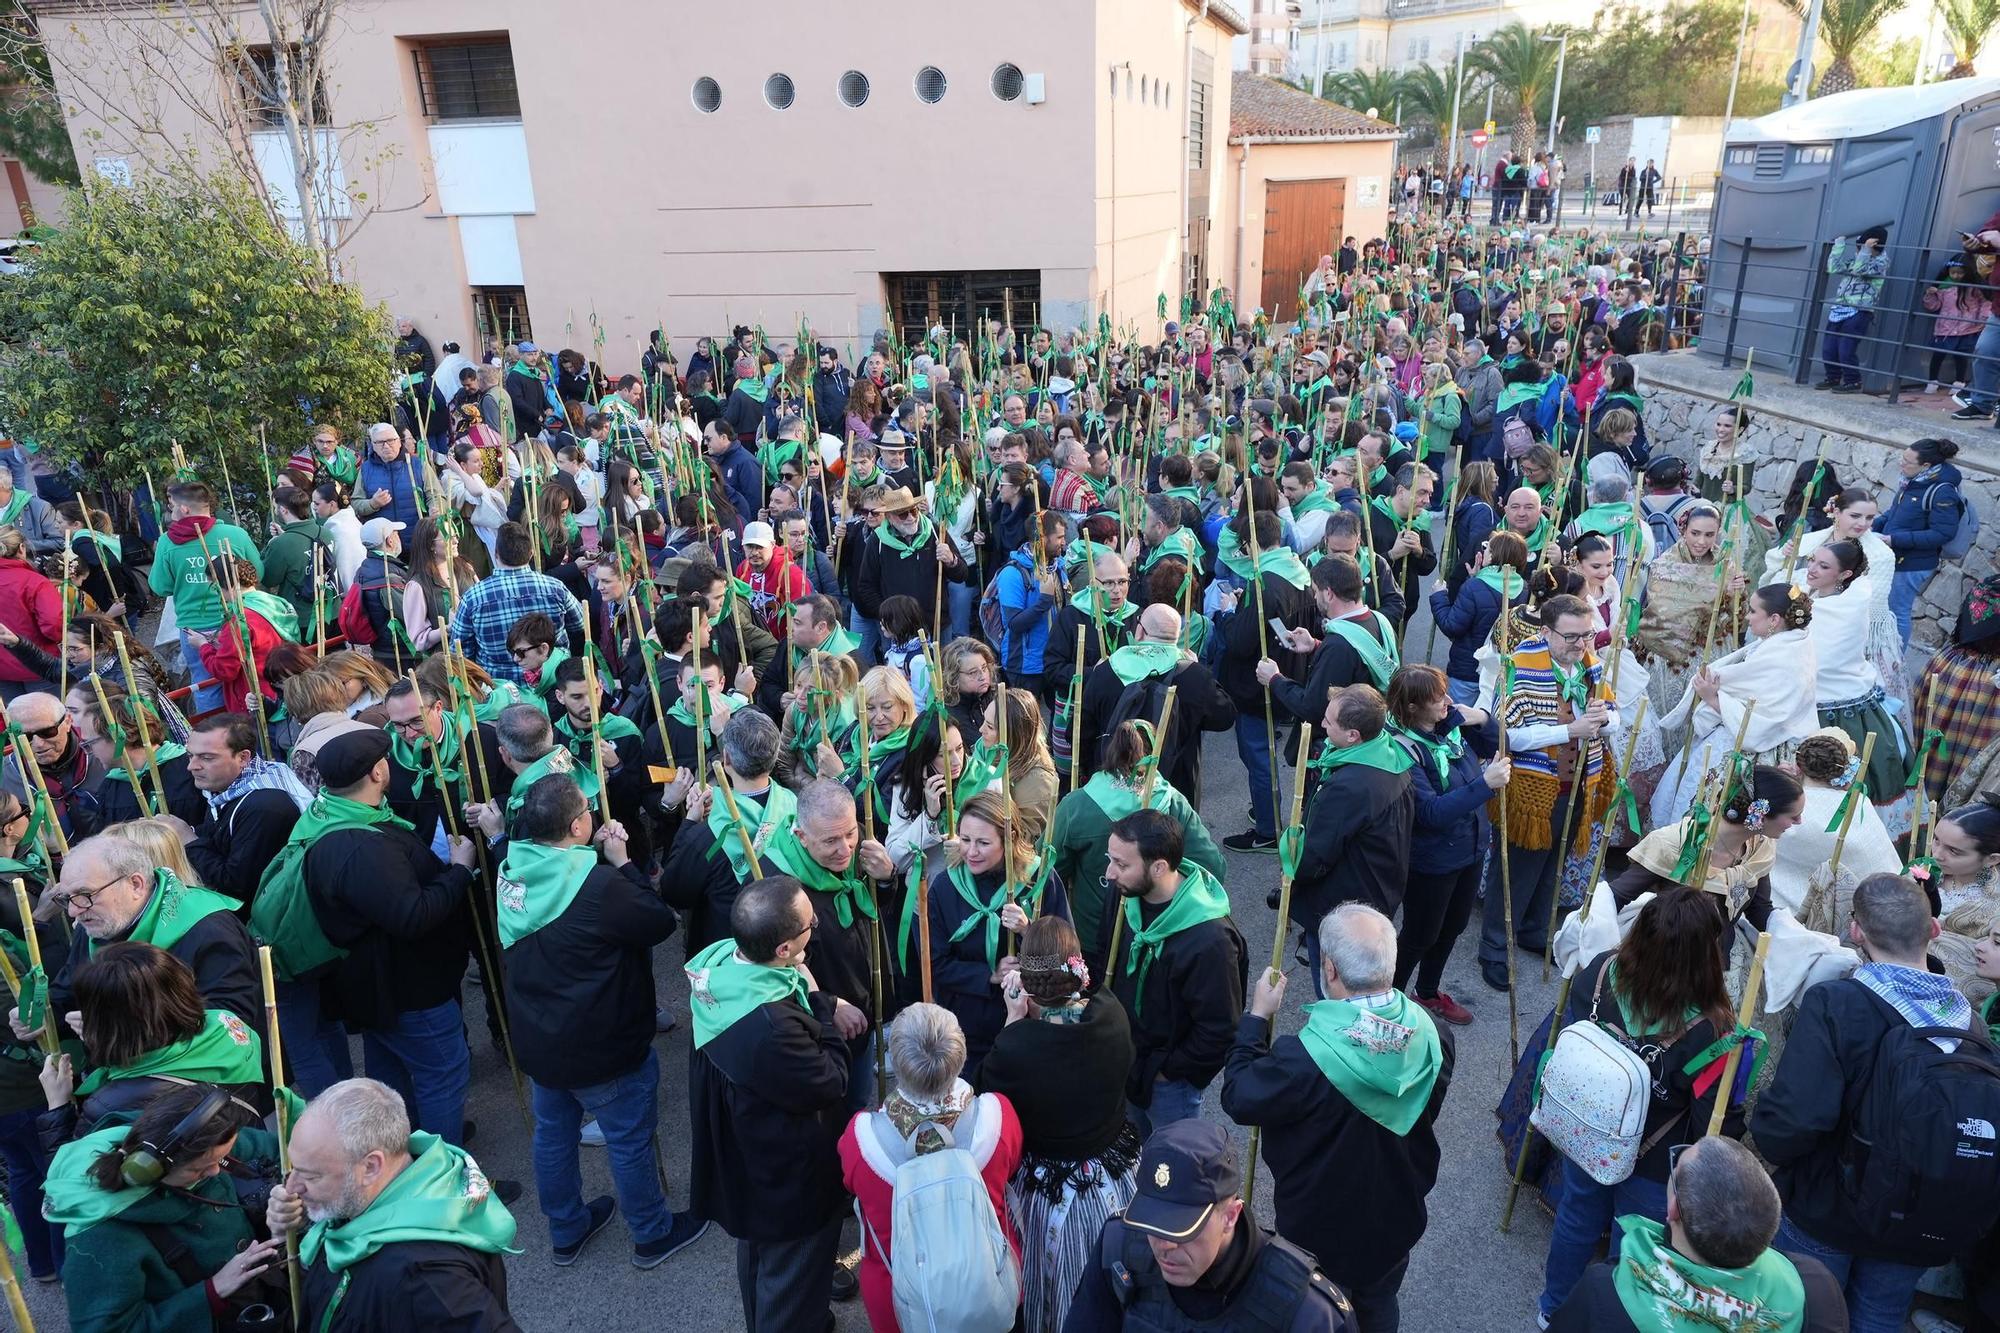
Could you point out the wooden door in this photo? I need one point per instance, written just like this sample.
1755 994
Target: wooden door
1302 221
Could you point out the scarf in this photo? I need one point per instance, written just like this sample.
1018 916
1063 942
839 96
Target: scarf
1444 750
1091 601
1536 689
575 736
986 909
261 775
681 713
724 986
172 910
1503 579
1280 561
1142 661
1315 501
1417 522
1385 1061
1664 1291
278 613
1199 899
12 513
557 760
414 756
537 884
753 388
341 465
71 1196
223 1051
1614 518
442 1195
1381 753
924 537
853 893
281 915
113 547
1374 642
1180 544
1924 999
191 529
766 816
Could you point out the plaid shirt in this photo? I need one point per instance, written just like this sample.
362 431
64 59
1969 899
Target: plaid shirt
495 604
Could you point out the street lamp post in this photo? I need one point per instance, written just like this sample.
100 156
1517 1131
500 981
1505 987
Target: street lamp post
1555 107
1457 96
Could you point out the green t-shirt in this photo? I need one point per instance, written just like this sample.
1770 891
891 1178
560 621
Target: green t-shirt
180 571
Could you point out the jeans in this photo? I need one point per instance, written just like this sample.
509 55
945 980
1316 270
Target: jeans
861 1074
27 1166
959 598
315 1049
423 1056
1253 747
1435 910
1986 366
1904 585
1878 1291
1840 350
1585 1212
628 1111
1952 349
207 691
1533 876
1464 693
1174 1099
1377 1304
787 1285
870 652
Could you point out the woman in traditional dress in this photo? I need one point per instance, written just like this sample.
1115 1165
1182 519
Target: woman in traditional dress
1063 1062
1595 559
1751 816
1847 688
1774 672
1851 517
1828 764
1965 846
1688 586
1955 697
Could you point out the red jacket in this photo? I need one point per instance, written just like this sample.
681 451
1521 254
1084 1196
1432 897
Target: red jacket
223 657
773 591
31 606
988 1129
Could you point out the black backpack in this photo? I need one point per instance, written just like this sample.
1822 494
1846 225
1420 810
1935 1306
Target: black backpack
330 591
1143 701
1921 1168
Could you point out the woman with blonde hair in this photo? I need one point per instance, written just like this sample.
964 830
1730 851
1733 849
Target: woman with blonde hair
967 670
888 709
821 717
1031 769
367 682
160 839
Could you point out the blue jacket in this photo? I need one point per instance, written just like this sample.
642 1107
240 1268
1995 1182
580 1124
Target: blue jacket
1470 527
1450 829
1467 619
742 480
1027 609
1924 516
395 478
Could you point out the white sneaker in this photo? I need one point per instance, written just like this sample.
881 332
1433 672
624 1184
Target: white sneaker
592 1135
1930 1321
1931 387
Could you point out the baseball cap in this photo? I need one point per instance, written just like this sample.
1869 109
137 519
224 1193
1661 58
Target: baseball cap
1185 1169
524 348
375 530
758 534
346 759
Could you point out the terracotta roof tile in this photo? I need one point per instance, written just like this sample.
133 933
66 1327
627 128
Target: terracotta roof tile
1265 108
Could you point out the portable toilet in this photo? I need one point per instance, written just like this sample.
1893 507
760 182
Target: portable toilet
1923 161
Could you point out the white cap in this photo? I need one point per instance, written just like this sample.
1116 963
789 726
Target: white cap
376 530
759 534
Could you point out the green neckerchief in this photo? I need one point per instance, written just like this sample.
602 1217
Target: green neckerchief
681 713
1633 1027
1315 501
754 388
1374 643
72 1197
1442 750
1181 544
281 614
1418 522
1664 1291
442 1195
225 1050
557 760
1118 798
14 506
986 911
113 546
1380 753
1537 539
172 910
1513 395
768 816
1141 661
1198 899
1987 1015
504 695
415 755
576 735
1192 494
342 466
852 893
1083 548
985 763
537 884
1385 1061
1503 579
1572 684
1090 600
925 535
1279 560
723 986
1611 519
165 752
281 914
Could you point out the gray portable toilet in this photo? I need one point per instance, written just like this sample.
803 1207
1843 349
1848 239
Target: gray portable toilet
1925 161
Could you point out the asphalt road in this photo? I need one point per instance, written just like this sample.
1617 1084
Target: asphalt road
1464 1275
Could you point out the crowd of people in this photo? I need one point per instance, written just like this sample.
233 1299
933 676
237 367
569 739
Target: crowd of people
886 690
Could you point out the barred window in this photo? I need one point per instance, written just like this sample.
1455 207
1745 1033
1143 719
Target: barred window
468 80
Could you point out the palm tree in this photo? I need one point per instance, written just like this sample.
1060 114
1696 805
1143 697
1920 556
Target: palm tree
1966 24
1428 98
1843 26
1523 66
1365 90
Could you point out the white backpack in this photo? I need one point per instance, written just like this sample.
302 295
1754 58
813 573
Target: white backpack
1593 1095
951 1269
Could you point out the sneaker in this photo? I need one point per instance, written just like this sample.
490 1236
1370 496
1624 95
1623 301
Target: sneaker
1443 1006
1250 840
662 1020
686 1230
1847 388
1970 413
1958 395
506 1191
592 1135
1541 1320
1930 386
1495 975
845 1284
1827 384
602 1209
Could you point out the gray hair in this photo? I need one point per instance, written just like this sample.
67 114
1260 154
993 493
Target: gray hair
524 733
1894 915
1608 489
821 799
927 1051
1361 944
366 1117
119 856
383 425
750 743
996 435
36 703
1728 1205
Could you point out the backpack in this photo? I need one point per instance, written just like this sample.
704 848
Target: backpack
1663 523
1143 701
1967 536
1516 437
355 626
992 615
1593 1095
952 1268
1919 1170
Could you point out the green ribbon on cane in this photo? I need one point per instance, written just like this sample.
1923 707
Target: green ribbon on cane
1700 820
1854 790
1291 849
1623 797
1933 745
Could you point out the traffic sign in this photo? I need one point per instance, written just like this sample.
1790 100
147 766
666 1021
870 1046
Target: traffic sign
1491 126
1479 138
1593 133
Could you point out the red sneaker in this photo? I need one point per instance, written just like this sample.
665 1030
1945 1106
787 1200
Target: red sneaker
1443 1006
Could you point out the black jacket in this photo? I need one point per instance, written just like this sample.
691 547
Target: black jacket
398 911
1199 705
1333 664
117 804
697 878
1066 1080
1256 1279
1593 1305
425 811
960 973
1324 1152
1183 1022
423 1284
767 1102
217 949
1066 627
232 848
1410 569
580 989
1241 645
885 574
1357 846
1451 827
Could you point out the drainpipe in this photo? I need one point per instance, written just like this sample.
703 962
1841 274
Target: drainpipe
1187 131
1242 203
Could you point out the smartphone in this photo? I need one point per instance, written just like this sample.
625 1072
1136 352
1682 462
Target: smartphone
1279 628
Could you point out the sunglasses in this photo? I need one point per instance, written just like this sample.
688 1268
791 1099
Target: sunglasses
48 733
518 653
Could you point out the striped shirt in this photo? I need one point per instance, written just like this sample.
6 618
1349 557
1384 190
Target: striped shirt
494 605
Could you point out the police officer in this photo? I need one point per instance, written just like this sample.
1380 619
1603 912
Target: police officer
1183 1256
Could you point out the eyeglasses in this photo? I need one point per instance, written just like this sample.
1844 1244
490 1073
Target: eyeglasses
1579 637
48 733
518 653
83 898
411 726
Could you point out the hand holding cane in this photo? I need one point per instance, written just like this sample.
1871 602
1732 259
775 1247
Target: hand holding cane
1287 867
274 1045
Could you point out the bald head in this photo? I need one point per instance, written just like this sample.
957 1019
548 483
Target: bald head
1114 580
1160 623
1524 509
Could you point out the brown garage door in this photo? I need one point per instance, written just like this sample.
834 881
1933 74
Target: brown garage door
1301 222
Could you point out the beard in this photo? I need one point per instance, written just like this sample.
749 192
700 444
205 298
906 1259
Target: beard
348 1204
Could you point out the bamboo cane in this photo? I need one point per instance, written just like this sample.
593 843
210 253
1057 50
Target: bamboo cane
16 1302
1746 1010
51 1041
700 700
1145 802
1579 789
1722 567
1923 812
1847 820
736 817
274 1045
319 601
596 737
33 782
124 743
1076 713
1728 767
1502 849
1283 930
